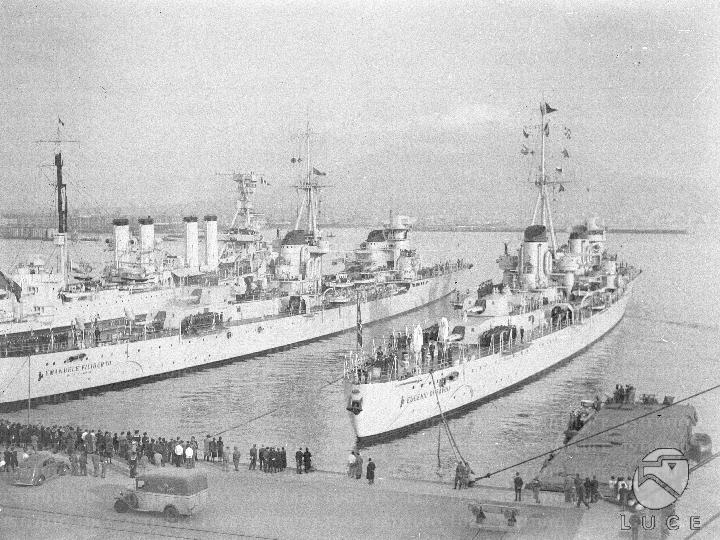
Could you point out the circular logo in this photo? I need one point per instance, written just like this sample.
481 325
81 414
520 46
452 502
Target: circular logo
661 478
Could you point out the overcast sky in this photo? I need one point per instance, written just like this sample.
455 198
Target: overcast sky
417 105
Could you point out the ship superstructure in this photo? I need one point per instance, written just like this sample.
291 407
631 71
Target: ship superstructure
385 264
245 256
553 302
140 277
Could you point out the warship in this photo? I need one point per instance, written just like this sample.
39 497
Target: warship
553 302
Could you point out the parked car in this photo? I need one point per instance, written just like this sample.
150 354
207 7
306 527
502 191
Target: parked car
173 492
38 468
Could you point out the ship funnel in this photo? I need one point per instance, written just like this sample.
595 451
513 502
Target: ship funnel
536 259
147 242
211 244
122 240
192 259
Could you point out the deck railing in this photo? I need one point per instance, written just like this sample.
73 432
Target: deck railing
396 362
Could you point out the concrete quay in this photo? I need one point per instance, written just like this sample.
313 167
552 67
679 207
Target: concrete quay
252 504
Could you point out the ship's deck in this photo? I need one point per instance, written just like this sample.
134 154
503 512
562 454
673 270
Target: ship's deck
394 363
119 331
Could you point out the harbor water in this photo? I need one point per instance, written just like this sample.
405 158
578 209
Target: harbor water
667 344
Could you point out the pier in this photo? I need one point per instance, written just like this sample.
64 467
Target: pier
605 452
252 504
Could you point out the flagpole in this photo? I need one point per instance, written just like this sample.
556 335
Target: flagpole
542 163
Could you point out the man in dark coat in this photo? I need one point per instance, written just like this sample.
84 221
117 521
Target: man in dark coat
588 489
594 493
580 491
307 460
298 460
518 483
370 471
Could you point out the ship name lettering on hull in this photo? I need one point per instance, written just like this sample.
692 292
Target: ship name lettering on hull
74 369
424 395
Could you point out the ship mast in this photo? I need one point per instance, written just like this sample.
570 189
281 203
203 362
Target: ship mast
542 203
60 237
246 185
309 187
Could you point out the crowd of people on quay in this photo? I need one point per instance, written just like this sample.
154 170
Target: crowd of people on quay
98 447
273 459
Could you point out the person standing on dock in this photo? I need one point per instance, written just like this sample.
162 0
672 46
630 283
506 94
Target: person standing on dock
459 472
351 460
83 462
307 457
518 483
261 456
569 490
253 457
299 460
535 486
370 475
189 456
178 453
580 491
133 463
358 466
206 447
594 489
195 448
220 448
213 449
236 458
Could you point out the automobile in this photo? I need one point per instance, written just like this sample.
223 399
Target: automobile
174 492
38 468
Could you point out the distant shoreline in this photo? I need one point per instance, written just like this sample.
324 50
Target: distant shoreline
509 229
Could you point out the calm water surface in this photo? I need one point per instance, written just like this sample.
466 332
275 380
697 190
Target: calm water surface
666 344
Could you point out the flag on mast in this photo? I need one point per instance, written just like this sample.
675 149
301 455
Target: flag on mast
61 122
9 285
318 173
546 109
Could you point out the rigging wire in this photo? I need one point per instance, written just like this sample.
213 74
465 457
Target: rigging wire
268 413
577 441
453 444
